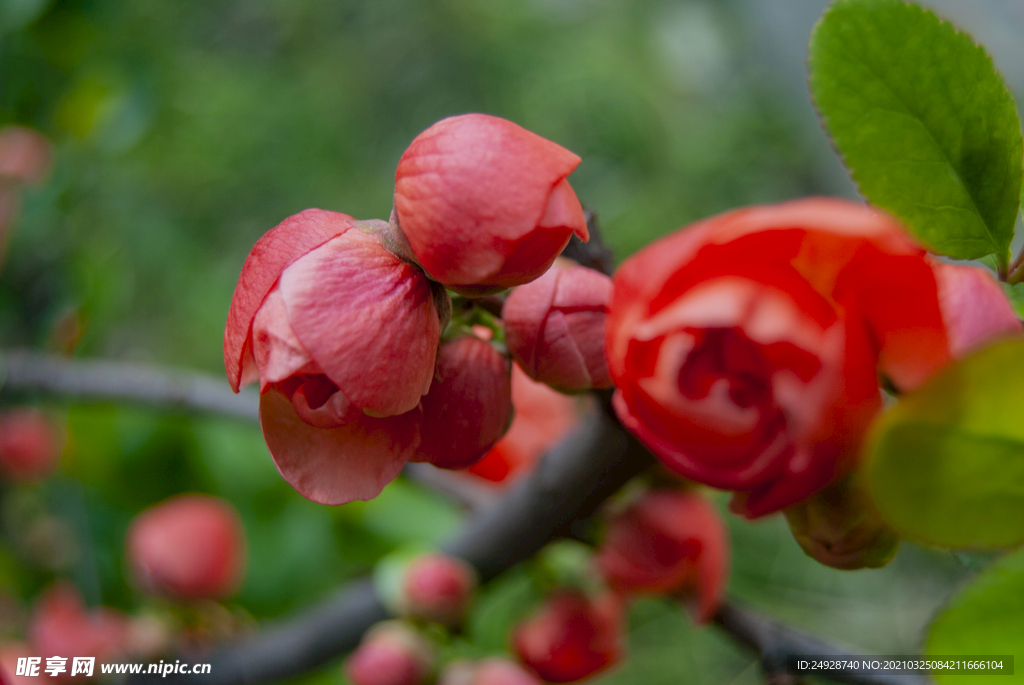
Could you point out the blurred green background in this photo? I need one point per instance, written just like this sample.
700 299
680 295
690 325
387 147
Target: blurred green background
184 130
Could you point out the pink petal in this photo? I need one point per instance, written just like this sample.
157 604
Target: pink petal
276 349
279 247
525 314
471 185
973 306
564 211
367 318
337 465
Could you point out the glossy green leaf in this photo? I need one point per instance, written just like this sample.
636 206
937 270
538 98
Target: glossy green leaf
1015 294
946 464
923 120
985 618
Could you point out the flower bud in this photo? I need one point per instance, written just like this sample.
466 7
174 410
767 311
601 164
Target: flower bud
484 204
469 405
495 671
30 445
838 527
60 624
973 306
188 547
571 637
437 588
391 653
668 541
554 327
541 418
25 155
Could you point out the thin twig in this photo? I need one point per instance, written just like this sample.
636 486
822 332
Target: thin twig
106 381
32 373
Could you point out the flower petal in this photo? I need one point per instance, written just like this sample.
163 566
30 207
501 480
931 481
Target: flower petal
337 465
973 306
367 318
279 247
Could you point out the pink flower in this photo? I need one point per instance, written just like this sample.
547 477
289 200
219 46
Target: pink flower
61 625
668 541
485 204
391 653
437 588
554 327
469 405
30 445
188 547
343 336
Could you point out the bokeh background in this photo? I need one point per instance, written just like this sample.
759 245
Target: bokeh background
184 130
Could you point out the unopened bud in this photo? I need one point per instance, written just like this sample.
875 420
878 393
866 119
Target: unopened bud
188 547
391 653
554 327
668 541
437 588
469 405
30 445
571 637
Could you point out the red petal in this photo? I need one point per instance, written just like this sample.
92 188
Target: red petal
367 318
279 247
469 404
337 465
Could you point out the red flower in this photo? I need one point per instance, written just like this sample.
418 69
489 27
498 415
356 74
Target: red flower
571 637
542 418
343 336
746 348
469 405
30 445
668 541
188 547
554 327
485 204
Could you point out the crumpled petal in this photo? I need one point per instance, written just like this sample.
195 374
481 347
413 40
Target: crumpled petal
279 247
337 465
974 307
276 349
367 318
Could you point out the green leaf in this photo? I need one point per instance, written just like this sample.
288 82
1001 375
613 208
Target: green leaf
1015 294
923 120
946 464
985 618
